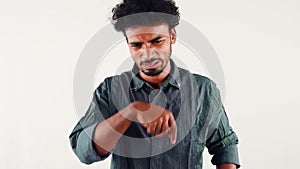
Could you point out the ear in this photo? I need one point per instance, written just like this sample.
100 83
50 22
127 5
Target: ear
173 35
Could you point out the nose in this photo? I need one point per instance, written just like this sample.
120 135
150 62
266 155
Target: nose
147 52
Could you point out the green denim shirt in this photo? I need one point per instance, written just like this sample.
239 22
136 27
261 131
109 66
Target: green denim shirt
194 101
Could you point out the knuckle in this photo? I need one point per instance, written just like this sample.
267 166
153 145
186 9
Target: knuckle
160 120
165 118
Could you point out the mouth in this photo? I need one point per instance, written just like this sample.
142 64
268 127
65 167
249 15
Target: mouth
151 64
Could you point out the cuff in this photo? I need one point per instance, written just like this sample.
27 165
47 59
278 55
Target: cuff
228 155
85 147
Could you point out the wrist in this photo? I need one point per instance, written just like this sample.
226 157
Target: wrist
137 109
128 113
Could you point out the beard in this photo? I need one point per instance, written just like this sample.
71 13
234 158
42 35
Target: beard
152 72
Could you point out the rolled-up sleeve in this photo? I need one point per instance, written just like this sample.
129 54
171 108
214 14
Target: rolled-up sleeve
222 143
81 138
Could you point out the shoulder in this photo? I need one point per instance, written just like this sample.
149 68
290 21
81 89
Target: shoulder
202 81
114 80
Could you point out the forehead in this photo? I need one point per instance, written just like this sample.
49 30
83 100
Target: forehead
157 29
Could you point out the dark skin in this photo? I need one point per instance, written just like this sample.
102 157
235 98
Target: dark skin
109 131
150 47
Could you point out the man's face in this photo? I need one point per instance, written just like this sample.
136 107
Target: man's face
150 47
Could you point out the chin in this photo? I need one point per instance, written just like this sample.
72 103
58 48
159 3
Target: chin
152 72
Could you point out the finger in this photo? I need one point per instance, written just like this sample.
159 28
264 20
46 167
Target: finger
158 126
173 130
165 124
164 133
144 125
173 134
151 128
165 127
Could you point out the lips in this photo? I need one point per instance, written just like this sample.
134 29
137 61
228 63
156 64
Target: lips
150 65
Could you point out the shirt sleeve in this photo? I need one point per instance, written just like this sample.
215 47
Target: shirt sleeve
222 143
81 138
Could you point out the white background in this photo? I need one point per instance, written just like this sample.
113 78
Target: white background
40 41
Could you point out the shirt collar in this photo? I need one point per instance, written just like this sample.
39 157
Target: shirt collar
173 78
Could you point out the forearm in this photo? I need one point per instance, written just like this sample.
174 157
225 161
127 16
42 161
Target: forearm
108 132
226 166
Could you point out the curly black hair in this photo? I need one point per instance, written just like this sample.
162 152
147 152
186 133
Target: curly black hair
145 12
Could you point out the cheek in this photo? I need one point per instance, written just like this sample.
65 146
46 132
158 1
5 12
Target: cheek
164 51
136 57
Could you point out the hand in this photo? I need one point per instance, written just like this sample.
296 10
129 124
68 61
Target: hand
226 166
156 120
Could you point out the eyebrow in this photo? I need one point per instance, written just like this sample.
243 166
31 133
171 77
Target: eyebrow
155 39
151 41
135 43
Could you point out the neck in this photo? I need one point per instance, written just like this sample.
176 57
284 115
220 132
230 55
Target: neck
156 81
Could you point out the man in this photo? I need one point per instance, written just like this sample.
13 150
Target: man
157 115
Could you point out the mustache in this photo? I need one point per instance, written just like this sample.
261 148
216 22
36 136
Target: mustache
150 61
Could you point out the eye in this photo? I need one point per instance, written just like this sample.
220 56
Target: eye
156 42
136 44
